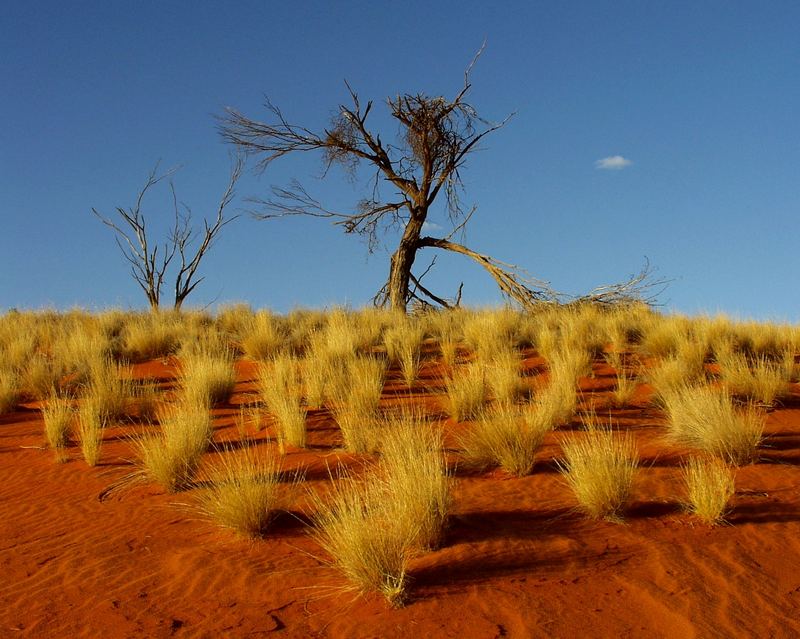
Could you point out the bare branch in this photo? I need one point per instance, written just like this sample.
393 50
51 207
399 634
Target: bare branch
150 262
640 287
513 282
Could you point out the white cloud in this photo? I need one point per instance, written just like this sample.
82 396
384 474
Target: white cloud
613 162
430 226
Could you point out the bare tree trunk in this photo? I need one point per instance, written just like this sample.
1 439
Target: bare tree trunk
402 261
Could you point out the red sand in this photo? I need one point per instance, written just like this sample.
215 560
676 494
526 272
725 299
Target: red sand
517 561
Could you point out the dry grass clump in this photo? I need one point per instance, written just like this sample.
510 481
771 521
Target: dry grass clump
152 335
245 491
207 374
445 327
662 335
707 420
372 526
317 370
508 436
709 487
567 365
624 390
485 332
9 389
110 387
58 413
356 529
41 375
92 421
760 379
403 344
467 392
599 466
262 337
172 457
355 396
556 404
340 336
503 375
413 469
671 375
281 389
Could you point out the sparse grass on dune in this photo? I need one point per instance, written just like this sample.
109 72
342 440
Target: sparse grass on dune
600 466
508 436
110 388
279 383
709 486
707 420
568 365
485 332
404 345
353 526
92 421
355 402
466 392
152 335
207 375
503 375
262 337
372 526
759 380
624 390
412 467
317 371
556 404
172 457
672 374
245 491
58 413
445 326
41 375
9 389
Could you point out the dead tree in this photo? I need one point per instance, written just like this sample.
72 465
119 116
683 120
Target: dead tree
436 137
150 260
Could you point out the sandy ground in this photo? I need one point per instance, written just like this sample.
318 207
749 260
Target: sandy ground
517 560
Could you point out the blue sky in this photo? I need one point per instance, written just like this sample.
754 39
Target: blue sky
700 98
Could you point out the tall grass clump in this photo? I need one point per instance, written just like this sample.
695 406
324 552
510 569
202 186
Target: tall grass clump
413 470
317 370
624 389
171 458
207 375
707 420
281 389
41 375
404 345
245 491
466 392
671 375
58 413
372 526
354 527
9 389
709 487
151 335
110 387
92 421
503 375
263 337
599 466
486 332
508 436
356 395
760 379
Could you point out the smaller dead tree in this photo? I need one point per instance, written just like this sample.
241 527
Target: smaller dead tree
150 260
